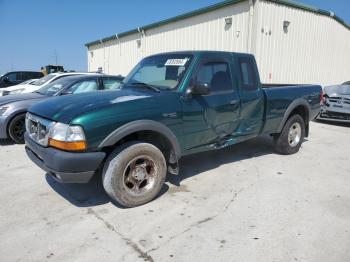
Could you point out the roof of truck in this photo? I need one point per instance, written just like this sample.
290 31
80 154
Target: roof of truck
200 52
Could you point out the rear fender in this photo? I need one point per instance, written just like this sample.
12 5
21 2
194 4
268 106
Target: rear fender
296 103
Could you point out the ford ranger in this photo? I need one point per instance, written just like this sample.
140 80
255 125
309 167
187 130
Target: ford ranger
169 106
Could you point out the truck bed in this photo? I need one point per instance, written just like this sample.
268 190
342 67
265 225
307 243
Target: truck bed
280 97
280 85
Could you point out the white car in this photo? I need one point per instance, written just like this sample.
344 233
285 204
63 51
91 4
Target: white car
27 82
35 85
6 91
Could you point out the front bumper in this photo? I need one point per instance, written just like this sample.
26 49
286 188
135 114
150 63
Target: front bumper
65 167
3 127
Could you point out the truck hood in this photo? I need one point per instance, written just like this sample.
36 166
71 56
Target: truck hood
337 91
20 97
64 108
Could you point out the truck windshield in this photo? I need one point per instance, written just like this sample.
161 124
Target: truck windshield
162 72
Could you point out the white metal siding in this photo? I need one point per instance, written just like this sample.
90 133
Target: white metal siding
316 48
201 32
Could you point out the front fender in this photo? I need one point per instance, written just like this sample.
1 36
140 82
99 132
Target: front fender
142 125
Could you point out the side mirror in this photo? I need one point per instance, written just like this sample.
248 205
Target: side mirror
6 79
200 89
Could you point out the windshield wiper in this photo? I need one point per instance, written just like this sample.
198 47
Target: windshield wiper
146 85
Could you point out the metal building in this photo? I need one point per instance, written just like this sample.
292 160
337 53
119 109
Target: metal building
292 42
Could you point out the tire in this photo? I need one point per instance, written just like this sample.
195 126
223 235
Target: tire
134 173
287 143
16 129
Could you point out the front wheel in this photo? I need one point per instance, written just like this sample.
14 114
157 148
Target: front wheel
290 139
134 173
16 129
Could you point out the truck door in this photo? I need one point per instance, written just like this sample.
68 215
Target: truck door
252 97
211 118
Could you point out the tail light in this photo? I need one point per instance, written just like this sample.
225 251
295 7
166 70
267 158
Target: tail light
322 98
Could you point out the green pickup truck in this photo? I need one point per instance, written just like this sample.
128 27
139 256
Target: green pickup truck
170 105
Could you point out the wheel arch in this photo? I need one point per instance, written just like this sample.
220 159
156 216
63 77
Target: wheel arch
299 106
143 127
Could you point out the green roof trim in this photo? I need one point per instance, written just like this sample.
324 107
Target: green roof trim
217 6
311 9
169 20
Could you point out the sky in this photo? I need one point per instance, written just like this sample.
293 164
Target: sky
34 33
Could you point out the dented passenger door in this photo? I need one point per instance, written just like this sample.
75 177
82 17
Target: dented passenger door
210 118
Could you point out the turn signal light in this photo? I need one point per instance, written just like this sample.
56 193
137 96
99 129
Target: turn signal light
68 146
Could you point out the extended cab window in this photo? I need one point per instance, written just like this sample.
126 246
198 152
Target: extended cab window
248 76
216 75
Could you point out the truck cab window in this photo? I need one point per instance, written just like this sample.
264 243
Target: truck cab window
215 74
249 81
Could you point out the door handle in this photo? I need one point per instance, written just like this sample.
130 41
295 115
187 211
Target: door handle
233 102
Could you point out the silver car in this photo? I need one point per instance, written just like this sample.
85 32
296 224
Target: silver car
14 107
336 103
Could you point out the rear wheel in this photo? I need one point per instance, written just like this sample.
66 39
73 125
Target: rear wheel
16 129
290 139
134 173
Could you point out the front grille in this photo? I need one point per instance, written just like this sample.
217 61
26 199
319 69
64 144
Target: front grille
38 128
338 100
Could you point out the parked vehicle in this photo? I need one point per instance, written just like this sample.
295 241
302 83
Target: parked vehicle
169 106
17 77
5 91
31 87
336 104
29 81
49 69
14 107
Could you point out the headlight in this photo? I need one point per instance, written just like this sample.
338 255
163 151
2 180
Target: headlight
66 137
3 110
17 91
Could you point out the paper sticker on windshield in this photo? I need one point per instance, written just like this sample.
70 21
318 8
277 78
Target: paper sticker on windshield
176 62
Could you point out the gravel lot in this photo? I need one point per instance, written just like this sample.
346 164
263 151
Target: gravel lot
243 203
